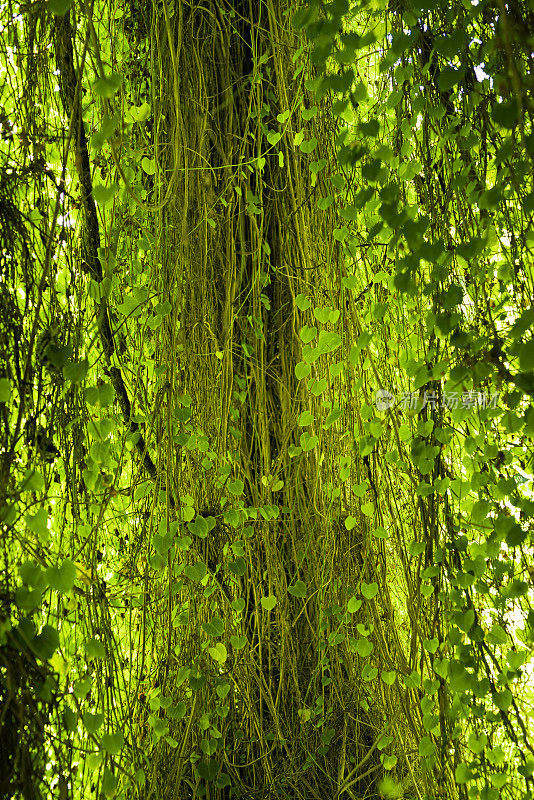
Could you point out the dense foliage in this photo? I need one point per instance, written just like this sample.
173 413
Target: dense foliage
266 380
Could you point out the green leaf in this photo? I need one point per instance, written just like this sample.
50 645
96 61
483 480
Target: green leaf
412 681
322 315
238 567
370 128
426 747
394 98
505 114
177 712
38 524
388 677
223 780
103 195
477 743
302 370
350 282
5 390
460 679
137 113
306 418
497 635
62 578
380 533
449 77
369 673
340 234
462 774
308 441
75 371
268 602
317 387
298 589
302 302
367 445
465 621
235 487
112 743
219 653
33 481
107 85
388 762
360 489
103 395
503 700
60 7
336 369
369 590
499 779
363 647
309 145
328 341
82 688
310 354
307 334
325 202
92 722
46 643
109 125
148 165
208 769
201 526
273 137
309 113
70 720
304 17
109 783
238 642
333 417
223 688
94 649
318 166
213 628
196 572
416 548
354 604
526 356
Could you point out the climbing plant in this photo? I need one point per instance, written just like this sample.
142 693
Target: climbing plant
266 395
434 186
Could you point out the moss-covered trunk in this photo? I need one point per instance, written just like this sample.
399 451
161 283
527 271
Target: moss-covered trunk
241 238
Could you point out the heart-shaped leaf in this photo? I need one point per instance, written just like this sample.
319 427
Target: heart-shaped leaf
369 590
219 652
269 602
388 677
196 572
112 743
238 642
298 589
354 605
92 722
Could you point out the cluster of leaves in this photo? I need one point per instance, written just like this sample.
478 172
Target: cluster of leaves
436 160
134 605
